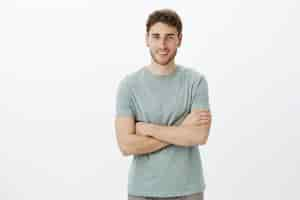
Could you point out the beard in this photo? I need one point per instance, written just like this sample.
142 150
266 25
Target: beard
164 61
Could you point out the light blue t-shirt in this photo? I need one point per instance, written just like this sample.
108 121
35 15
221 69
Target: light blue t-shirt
164 100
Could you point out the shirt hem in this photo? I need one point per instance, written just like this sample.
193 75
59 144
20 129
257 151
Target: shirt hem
169 194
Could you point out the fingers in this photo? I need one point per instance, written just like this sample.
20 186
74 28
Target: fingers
202 112
204 118
203 115
198 118
204 122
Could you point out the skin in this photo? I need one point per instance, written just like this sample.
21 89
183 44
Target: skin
193 130
162 41
196 118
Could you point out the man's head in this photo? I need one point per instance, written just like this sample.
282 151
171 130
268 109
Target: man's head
164 35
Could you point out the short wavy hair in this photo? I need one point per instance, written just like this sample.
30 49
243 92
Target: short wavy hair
166 16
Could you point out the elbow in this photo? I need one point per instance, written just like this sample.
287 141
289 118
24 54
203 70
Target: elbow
200 139
203 139
198 136
195 142
125 153
124 150
203 136
124 145
203 142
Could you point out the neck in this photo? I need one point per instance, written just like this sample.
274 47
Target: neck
158 69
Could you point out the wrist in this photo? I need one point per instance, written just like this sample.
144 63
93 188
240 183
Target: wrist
154 130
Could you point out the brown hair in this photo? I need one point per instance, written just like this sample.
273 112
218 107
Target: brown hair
166 16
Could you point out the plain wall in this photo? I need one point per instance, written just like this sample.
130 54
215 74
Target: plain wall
60 65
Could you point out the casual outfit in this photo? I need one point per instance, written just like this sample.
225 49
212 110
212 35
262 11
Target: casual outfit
174 171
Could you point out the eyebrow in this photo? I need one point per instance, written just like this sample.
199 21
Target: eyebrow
168 34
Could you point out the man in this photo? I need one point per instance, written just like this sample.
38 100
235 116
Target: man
162 116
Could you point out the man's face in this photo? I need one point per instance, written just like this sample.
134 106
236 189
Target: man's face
163 41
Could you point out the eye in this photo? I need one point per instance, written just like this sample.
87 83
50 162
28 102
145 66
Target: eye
171 37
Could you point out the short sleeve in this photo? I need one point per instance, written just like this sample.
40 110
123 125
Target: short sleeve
124 100
200 98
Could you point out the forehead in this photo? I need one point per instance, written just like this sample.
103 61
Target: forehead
161 28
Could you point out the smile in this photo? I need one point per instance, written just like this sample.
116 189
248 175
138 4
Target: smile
163 53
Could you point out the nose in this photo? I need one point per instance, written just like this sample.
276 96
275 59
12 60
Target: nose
162 43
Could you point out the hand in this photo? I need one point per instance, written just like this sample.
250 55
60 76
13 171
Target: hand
198 118
144 129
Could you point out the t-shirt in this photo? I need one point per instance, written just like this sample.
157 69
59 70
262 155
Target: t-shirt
164 100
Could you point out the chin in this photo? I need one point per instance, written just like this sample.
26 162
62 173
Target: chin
162 63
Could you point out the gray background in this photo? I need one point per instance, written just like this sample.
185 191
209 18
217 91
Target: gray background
61 62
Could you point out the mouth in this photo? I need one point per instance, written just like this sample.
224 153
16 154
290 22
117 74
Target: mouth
162 53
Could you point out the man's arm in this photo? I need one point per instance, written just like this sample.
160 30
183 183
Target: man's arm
130 143
187 134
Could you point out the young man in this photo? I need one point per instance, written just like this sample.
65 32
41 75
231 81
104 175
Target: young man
162 115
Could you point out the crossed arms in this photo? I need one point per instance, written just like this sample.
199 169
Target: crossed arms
141 138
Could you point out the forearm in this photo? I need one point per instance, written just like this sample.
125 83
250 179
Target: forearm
137 144
181 135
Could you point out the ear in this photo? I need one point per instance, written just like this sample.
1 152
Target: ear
146 39
179 40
